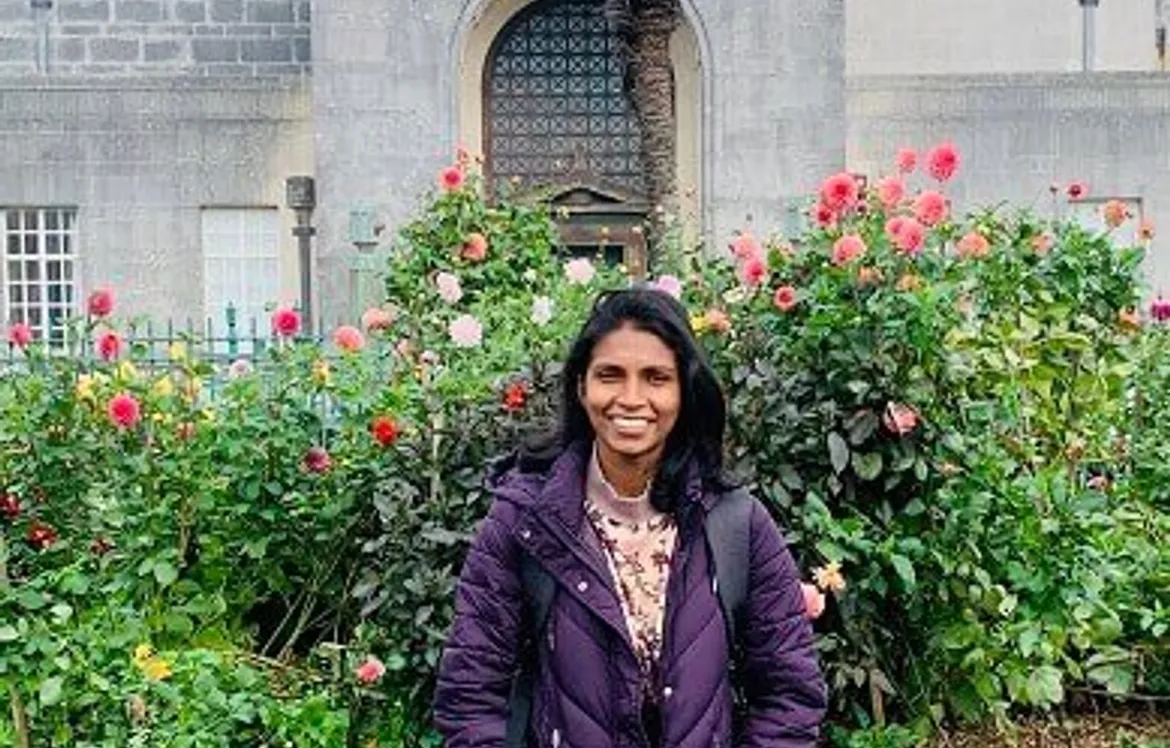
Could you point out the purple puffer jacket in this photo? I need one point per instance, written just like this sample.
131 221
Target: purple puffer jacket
587 692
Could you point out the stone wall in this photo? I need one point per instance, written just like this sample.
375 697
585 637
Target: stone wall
917 37
386 103
136 37
140 159
1021 133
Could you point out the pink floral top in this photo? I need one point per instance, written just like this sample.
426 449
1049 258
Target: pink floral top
639 543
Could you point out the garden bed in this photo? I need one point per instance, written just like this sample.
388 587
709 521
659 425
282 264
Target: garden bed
1136 726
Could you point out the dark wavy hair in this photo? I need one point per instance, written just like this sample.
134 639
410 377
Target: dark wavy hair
697 437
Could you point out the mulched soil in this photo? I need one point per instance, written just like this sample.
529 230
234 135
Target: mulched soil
1098 726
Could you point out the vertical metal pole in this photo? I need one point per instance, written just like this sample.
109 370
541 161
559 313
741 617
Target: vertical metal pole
40 9
304 234
1088 34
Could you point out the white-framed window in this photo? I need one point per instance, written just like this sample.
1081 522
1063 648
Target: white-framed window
39 273
241 269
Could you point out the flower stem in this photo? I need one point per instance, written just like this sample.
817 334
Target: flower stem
19 718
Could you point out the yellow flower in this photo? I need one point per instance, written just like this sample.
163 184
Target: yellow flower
829 577
156 668
127 371
209 414
164 387
84 389
321 372
178 351
698 322
142 653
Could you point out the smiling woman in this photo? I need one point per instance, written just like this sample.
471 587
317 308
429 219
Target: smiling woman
619 648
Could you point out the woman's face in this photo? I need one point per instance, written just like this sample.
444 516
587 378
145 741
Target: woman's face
632 393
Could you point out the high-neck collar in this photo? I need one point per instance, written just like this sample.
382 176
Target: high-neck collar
599 491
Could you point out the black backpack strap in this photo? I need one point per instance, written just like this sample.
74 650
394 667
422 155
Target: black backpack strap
539 588
728 529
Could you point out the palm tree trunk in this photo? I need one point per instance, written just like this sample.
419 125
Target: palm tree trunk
646 26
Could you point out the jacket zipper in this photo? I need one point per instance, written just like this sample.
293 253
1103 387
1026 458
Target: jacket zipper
677 572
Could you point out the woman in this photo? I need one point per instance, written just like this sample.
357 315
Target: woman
632 650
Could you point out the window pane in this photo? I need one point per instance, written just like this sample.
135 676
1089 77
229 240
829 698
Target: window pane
14 270
13 243
53 270
17 315
68 271
51 220
34 294
53 244
16 294
32 270
56 294
13 220
30 244
34 314
70 218
30 221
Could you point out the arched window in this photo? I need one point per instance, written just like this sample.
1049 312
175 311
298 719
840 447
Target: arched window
556 115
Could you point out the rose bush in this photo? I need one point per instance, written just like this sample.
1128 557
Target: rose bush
957 419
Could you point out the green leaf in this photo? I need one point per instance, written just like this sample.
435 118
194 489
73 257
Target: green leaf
165 573
905 570
1044 686
838 452
8 633
50 691
862 426
867 466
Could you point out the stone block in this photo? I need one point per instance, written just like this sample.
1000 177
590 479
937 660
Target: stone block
138 11
209 30
17 50
227 11
215 50
271 11
14 10
302 49
162 51
190 12
69 50
113 50
80 30
83 10
266 50
248 29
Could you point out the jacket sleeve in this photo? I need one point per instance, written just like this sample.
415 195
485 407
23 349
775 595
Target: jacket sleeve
784 687
480 657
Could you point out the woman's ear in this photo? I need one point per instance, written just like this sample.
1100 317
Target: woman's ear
581 390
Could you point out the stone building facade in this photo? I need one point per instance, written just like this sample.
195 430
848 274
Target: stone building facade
145 144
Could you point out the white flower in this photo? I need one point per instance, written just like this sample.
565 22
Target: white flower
542 310
241 367
579 271
466 331
670 285
530 275
449 289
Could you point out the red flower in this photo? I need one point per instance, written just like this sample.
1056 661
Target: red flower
515 396
20 335
451 178
286 322
370 671
910 236
124 411
1078 190
1146 230
839 192
752 272
41 535
824 216
973 244
109 346
745 247
384 430
847 249
1160 309
943 161
9 506
785 298
101 546
475 247
899 418
317 460
101 303
348 339
930 208
1116 213
907 159
890 191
